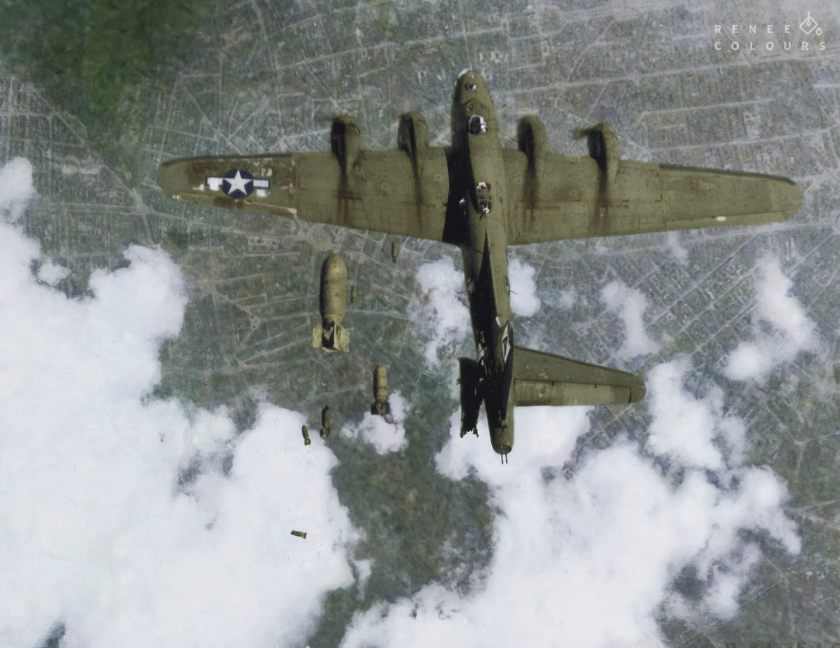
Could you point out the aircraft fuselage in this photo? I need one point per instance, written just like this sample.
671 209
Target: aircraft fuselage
477 153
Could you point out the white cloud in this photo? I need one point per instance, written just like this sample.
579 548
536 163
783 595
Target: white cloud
94 531
442 312
211 430
629 304
523 290
384 433
614 536
545 436
567 298
684 427
51 273
446 317
17 188
791 330
245 578
679 252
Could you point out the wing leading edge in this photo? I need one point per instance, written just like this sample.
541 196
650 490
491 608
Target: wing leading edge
382 191
563 197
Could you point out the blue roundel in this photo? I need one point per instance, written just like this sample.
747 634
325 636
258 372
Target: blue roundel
238 183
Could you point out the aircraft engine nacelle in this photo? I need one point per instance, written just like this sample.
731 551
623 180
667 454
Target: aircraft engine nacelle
603 147
345 140
413 137
532 140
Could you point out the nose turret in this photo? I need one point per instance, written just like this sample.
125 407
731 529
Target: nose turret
470 86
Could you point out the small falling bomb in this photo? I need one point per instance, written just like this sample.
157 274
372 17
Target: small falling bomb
326 421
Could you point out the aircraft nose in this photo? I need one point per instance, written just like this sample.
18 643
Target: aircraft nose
471 79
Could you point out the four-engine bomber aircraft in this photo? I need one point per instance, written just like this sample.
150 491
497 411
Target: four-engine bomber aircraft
482 198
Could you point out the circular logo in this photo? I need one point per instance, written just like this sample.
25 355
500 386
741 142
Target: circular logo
238 183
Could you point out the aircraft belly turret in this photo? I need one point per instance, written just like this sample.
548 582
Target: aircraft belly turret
488 206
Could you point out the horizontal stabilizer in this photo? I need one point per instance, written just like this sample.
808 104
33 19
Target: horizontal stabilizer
545 379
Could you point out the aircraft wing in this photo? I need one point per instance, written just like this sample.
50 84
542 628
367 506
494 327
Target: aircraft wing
545 379
565 197
382 192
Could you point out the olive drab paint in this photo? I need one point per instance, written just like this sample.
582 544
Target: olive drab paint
331 335
482 197
326 421
380 406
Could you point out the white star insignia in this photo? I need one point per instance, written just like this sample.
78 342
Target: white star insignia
237 183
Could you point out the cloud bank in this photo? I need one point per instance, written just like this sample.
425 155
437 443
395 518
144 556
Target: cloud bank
592 558
117 519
